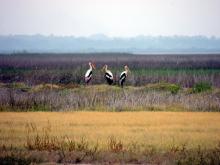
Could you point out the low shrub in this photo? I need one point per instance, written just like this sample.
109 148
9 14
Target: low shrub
173 88
201 87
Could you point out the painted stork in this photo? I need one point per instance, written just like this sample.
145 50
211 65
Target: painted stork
88 74
108 75
123 76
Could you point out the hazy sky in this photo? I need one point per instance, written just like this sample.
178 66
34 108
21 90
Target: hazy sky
112 17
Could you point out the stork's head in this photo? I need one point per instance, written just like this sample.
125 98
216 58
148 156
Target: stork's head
105 67
92 65
127 69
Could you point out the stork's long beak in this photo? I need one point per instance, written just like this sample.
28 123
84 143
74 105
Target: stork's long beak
129 70
93 65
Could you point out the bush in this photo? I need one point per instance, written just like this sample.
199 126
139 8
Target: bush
201 87
173 88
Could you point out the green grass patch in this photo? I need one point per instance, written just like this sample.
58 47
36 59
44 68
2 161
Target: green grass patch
18 85
173 88
201 87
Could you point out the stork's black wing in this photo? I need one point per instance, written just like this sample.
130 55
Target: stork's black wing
109 78
122 79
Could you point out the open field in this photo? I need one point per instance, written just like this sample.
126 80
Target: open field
159 129
167 112
129 136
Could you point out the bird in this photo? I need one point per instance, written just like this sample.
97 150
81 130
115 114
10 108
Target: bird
123 76
88 74
108 75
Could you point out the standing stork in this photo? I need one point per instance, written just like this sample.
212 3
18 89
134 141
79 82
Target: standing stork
88 74
108 75
123 76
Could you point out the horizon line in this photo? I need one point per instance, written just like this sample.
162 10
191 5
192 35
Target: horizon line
107 36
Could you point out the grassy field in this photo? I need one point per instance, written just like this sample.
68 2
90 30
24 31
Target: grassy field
111 132
167 112
160 129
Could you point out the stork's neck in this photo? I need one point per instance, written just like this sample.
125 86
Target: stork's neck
106 68
90 66
126 71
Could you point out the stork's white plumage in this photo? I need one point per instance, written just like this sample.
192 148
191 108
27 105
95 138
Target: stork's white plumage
123 76
88 75
108 75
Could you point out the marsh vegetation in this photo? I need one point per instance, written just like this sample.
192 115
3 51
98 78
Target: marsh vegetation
82 126
152 97
185 70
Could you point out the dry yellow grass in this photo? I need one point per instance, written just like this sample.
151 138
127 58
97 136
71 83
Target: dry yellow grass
159 129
